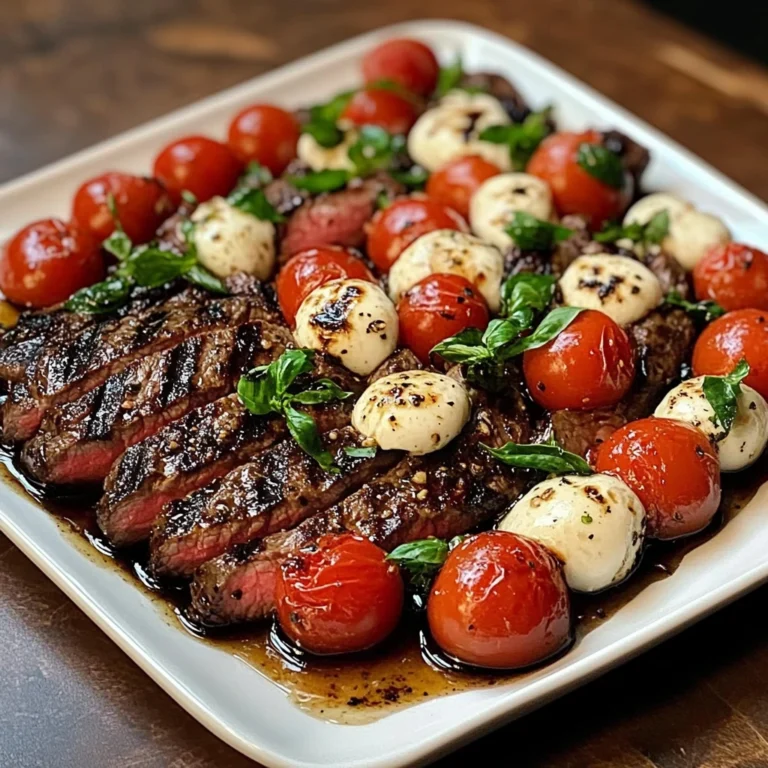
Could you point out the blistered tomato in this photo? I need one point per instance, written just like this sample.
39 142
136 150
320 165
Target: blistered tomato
733 275
382 107
455 183
264 134
408 63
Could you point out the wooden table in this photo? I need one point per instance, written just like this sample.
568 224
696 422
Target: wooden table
73 72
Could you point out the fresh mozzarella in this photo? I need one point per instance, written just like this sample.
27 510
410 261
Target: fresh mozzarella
749 434
494 204
594 524
691 232
620 286
414 411
353 320
320 158
452 129
446 250
229 240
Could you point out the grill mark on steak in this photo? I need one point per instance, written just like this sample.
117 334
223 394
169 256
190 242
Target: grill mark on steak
277 490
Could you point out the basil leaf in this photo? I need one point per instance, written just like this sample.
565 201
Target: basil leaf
532 234
421 560
527 290
701 311
150 267
255 173
257 391
449 77
331 110
548 457
503 331
321 181
465 347
555 322
722 393
118 244
324 391
367 452
289 366
414 178
100 298
254 202
199 275
324 132
600 162
651 233
657 228
522 138
374 149
188 197
304 431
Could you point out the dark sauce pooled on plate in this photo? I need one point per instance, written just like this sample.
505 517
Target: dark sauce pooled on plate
407 668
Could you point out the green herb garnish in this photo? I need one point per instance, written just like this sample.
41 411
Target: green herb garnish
532 234
254 201
414 178
701 311
365 452
546 457
722 393
527 290
323 118
374 149
321 181
449 77
103 297
421 560
522 138
651 233
600 162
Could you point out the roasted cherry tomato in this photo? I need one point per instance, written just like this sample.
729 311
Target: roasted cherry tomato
393 229
46 262
310 269
590 364
738 335
673 469
199 165
266 135
575 190
455 183
437 307
142 205
341 596
408 63
382 107
733 275
500 601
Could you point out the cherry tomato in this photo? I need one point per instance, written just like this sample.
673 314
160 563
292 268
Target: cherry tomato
393 229
199 165
378 106
500 601
590 364
575 190
47 261
455 183
310 269
265 134
737 335
733 275
437 307
142 205
408 63
673 469
341 596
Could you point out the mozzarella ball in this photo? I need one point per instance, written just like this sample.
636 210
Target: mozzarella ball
748 437
594 524
620 286
446 250
691 232
451 130
353 320
495 203
229 240
320 158
414 411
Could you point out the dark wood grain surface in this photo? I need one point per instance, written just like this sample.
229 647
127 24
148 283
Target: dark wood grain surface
73 72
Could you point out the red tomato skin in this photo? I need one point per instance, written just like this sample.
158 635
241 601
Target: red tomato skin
590 364
733 275
500 602
378 106
455 183
673 469
437 307
142 205
264 134
574 190
199 165
341 596
47 261
408 63
394 228
310 269
737 335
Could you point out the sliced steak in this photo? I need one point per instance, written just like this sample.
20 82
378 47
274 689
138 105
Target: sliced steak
400 361
79 441
277 490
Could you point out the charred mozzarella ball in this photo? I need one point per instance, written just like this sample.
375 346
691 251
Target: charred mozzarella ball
414 411
620 286
229 240
452 129
353 320
458 253
691 232
320 158
493 206
594 524
748 437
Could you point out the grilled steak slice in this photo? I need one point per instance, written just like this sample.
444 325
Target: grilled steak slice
278 489
443 494
64 371
79 441
399 361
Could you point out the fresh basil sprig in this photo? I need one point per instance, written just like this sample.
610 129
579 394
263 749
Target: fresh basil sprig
254 201
103 297
422 559
546 457
322 120
527 290
522 138
651 233
722 393
374 149
701 311
600 162
267 389
532 234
